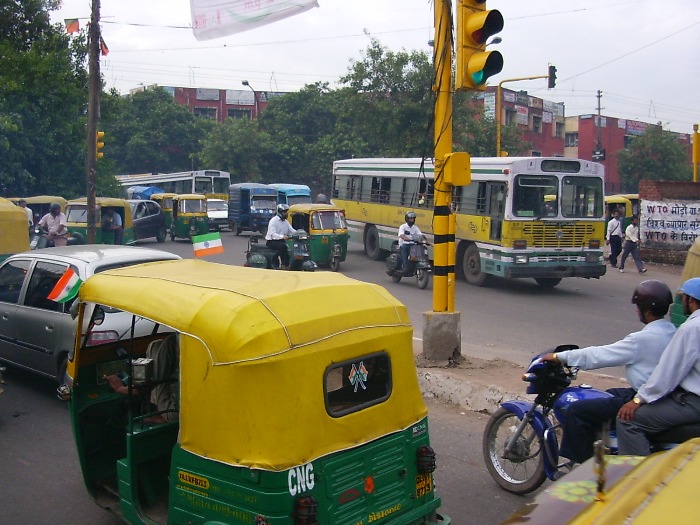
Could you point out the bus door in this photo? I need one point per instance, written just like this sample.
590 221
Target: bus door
497 198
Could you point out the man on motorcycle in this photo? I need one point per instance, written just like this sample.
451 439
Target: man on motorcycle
55 225
639 352
408 234
671 395
278 231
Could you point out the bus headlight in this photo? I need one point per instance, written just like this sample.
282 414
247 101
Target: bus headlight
521 259
592 257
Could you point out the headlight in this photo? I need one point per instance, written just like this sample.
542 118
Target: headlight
521 259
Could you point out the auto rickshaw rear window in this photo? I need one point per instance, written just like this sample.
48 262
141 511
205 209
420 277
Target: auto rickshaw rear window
354 385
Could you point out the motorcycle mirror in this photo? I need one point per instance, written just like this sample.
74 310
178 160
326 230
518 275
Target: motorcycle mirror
98 316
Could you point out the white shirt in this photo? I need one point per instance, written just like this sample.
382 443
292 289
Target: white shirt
679 364
277 228
614 228
56 225
413 231
639 352
632 233
30 215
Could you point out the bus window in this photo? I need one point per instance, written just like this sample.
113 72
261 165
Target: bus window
496 207
529 192
582 197
336 187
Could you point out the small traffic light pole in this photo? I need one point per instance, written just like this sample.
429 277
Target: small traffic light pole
93 115
499 94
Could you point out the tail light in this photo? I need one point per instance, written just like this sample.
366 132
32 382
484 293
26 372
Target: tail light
305 512
101 338
425 459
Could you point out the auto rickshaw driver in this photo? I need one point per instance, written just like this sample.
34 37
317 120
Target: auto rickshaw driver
112 222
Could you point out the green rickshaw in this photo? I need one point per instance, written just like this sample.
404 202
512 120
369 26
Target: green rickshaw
189 216
107 214
327 229
165 201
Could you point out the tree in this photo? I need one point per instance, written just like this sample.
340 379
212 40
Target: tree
656 155
42 102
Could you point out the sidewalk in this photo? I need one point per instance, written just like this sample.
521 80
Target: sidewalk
481 385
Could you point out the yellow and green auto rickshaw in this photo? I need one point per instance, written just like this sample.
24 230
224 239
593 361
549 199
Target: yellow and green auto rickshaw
622 204
14 230
107 230
292 401
165 201
189 216
327 229
40 204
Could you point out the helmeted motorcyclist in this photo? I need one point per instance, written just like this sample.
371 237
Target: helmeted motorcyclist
639 352
279 230
55 226
409 233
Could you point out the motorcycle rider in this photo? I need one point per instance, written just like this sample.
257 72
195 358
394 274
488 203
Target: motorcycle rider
409 233
55 225
639 352
278 231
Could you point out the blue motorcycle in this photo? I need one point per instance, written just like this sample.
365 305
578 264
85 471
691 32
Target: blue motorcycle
521 439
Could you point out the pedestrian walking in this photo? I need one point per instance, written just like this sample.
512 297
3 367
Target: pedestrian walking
631 246
613 237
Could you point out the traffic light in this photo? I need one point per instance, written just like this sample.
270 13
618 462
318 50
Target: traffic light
99 144
475 25
552 80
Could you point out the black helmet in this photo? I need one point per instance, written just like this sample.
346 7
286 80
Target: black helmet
55 207
410 216
652 294
282 208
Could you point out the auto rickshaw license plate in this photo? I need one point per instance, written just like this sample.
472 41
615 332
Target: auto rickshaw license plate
424 484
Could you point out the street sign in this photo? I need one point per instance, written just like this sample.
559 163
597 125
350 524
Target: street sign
598 154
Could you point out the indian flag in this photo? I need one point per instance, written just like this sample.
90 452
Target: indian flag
208 244
66 288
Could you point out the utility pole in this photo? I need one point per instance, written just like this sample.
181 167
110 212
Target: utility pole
93 115
696 152
599 140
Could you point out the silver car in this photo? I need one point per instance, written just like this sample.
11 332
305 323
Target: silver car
37 333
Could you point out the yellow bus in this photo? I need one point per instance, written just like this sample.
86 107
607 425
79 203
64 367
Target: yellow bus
521 217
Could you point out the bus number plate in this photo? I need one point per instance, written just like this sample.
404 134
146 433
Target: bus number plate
424 484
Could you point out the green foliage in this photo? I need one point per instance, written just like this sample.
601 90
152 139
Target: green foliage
656 155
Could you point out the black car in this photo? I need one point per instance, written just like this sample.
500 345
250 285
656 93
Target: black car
149 220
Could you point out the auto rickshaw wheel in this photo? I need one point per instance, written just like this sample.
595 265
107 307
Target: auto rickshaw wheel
335 264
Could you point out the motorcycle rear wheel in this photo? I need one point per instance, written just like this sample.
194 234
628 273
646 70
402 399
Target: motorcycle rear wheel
522 471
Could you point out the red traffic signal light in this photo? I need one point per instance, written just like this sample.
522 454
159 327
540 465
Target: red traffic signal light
475 25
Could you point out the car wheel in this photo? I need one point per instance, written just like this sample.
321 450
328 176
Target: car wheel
162 235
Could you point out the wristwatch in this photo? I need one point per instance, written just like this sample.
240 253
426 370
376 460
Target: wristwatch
636 400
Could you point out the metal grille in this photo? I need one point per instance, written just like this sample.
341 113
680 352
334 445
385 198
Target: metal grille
548 235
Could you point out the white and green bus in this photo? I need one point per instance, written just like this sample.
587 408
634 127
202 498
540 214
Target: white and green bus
521 217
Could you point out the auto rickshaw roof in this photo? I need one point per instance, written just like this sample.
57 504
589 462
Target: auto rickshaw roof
309 207
245 313
255 348
159 196
50 199
9 211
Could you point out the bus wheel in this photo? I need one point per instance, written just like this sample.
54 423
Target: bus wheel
548 282
471 266
372 243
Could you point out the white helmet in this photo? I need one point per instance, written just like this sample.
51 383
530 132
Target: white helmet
282 208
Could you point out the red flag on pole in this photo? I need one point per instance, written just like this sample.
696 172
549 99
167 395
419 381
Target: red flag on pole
103 47
72 25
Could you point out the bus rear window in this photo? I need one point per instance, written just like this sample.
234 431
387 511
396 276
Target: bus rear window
353 385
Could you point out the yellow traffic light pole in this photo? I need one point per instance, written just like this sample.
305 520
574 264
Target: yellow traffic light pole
696 152
499 94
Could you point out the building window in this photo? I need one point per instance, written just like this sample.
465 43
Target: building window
204 112
559 129
536 124
510 116
536 154
571 140
239 114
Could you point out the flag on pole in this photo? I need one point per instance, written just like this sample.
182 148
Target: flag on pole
66 288
72 25
218 18
103 48
208 244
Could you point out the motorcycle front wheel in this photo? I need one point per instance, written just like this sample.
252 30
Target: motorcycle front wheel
521 470
335 264
423 278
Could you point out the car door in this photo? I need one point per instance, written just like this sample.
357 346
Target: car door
153 212
139 215
13 275
44 328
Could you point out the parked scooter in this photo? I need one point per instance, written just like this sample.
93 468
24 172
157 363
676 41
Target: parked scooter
418 263
520 442
260 256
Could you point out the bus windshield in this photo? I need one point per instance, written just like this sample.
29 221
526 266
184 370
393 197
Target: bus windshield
202 185
529 195
582 197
